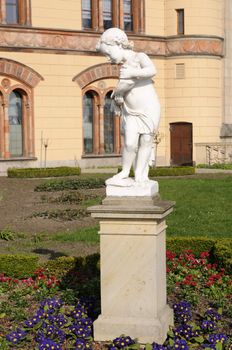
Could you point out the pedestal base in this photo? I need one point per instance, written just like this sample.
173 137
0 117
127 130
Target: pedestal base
146 330
133 269
128 188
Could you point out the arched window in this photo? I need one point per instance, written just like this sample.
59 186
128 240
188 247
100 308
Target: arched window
103 14
2 138
15 115
107 14
88 120
128 16
15 12
108 125
101 129
12 12
87 13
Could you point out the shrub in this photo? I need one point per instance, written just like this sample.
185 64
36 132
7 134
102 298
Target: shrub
167 171
18 266
62 265
197 245
71 184
172 171
43 172
223 253
215 166
6 234
61 214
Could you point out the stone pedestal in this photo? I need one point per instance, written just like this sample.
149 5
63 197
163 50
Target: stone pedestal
133 269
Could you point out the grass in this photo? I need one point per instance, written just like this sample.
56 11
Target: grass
88 235
203 206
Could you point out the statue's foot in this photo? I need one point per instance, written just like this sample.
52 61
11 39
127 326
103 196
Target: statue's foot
121 179
141 179
122 175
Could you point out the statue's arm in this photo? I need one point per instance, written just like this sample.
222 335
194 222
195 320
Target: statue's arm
146 69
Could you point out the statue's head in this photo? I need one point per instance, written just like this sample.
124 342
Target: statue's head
112 44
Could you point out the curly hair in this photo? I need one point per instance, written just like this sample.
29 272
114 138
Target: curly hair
115 36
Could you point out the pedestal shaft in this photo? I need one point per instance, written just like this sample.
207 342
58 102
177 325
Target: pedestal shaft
133 270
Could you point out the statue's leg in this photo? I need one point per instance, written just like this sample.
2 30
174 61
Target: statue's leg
128 154
143 157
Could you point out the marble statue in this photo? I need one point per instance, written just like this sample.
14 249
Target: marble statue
135 99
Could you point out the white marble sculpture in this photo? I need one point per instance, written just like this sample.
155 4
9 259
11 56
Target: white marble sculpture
135 99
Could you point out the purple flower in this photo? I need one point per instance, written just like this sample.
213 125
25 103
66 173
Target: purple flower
156 346
182 311
180 344
122 342
16 337
184 330
215 338
213 315
80 344
48 344
208 325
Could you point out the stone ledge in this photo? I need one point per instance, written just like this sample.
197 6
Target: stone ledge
132 208
145 330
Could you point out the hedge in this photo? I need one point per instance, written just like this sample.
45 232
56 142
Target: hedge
223 251
197 245
171 171
167 171
220 250
18 265
62 265
43 172
21 266
215 166
71 184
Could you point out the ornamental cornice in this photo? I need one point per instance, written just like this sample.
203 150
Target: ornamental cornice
36 39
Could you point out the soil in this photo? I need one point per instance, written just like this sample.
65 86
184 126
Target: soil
18 205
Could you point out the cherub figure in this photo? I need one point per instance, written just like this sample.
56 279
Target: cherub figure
136 100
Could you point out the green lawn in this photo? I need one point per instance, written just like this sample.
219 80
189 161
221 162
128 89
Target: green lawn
203 206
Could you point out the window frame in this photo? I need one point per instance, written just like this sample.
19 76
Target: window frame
24 13
137 12
180 21
98 124
27 123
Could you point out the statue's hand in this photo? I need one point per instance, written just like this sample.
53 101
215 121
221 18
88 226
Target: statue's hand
118 100
128 72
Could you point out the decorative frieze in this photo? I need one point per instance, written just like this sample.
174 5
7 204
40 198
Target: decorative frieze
19 71
65 41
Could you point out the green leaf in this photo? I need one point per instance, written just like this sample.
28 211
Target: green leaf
134 346
219 346
2 315
148 347
199 339
171 334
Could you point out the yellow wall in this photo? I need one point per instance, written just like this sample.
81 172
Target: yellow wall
196 99
58 101
201 17
58 14
154 12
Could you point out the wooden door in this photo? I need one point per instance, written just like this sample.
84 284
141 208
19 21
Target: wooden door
181 143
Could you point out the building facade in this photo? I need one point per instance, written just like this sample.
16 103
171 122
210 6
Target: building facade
55 88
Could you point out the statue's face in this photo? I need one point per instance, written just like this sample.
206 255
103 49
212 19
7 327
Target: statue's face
114 53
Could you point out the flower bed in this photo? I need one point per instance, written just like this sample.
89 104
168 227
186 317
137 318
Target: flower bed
43 312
